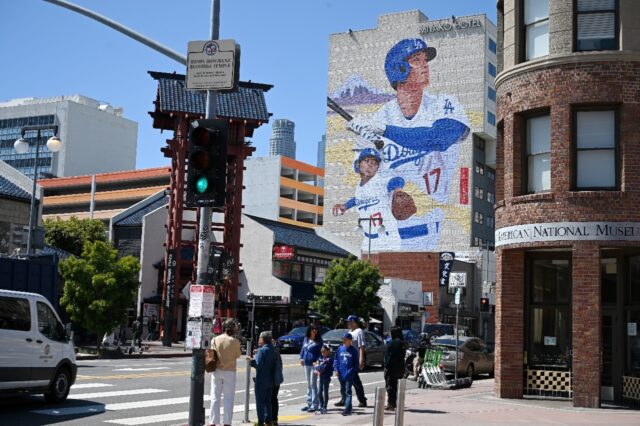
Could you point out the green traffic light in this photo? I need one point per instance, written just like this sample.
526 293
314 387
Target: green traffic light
202 183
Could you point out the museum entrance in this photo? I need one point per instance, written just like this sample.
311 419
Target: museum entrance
548 333
620 298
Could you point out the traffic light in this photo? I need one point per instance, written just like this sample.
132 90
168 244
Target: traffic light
207 163
484 304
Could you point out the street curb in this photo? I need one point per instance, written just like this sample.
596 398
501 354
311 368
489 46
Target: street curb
143 355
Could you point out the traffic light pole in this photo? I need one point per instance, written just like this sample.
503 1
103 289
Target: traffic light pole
196 395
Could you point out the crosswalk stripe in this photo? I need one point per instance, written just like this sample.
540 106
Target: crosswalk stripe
141 369
116 393
90 385
144 420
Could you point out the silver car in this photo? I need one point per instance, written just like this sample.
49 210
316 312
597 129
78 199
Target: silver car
474 356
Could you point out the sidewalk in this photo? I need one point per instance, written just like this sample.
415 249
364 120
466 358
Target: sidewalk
155 350
473 406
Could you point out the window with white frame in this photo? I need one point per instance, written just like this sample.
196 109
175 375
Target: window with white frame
595 149
596 25
478 218
538 139
536 29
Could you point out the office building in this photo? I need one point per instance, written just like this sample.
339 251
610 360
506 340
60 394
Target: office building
95 136
282 189
419 155
567 218
282 140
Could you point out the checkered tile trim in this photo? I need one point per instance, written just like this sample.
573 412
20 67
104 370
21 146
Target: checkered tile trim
631 388
549 383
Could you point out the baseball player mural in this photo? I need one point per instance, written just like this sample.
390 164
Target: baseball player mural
406 154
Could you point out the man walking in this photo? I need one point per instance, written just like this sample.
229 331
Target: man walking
393 366
358 343
223 380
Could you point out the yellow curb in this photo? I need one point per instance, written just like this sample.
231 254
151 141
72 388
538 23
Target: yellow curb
293 418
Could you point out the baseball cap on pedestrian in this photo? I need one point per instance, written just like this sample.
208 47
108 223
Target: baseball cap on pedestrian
352 318
347 336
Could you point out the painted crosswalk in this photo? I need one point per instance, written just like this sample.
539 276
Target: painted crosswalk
121 406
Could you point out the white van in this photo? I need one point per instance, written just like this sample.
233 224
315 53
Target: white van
36 352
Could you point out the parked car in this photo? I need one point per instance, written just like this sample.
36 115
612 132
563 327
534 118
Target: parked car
374 346
412 338
434 331
37 353
474 356
292 341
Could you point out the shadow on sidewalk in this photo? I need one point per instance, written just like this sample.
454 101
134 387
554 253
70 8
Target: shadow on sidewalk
424 411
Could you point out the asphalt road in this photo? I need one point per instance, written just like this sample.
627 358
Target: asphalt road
151 391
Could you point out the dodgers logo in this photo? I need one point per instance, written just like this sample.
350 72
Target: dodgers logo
365 203
398 156
448 106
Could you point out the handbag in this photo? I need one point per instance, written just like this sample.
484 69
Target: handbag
211 359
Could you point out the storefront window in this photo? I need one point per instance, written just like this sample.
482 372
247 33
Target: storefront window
296 271
321 271
549 314
308 273
633 289
609 280
281 269
633 355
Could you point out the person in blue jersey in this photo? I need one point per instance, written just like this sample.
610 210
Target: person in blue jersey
346 365
324 371
309 354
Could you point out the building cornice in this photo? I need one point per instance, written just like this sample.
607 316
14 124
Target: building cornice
574 58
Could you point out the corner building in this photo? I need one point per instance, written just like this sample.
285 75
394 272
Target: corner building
568 192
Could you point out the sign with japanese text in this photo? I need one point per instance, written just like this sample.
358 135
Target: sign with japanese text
446 263
212 65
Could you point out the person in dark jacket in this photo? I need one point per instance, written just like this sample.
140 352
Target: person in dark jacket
265 363
346 364
275 404
309 354
393 366
324 370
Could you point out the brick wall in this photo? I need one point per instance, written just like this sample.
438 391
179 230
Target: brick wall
509 323
586 325
422 267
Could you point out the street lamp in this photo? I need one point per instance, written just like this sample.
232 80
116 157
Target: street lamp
381 229
54 144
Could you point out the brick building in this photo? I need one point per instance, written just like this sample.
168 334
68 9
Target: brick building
567 219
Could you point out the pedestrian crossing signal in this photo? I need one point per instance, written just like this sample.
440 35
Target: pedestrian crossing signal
484 304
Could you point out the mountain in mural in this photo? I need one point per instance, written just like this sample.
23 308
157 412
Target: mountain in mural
356 91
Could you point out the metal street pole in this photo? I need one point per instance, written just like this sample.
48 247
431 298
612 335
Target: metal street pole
196 395
247 374
32 208
456 342
369 258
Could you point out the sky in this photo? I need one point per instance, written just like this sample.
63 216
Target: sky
51 51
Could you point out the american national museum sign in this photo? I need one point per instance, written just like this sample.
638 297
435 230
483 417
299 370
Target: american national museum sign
568 231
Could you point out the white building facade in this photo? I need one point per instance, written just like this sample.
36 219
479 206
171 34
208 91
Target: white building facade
96 137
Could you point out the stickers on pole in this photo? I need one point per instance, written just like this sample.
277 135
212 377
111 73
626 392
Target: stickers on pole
458 293
201 301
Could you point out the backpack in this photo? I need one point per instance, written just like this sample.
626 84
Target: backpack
278 377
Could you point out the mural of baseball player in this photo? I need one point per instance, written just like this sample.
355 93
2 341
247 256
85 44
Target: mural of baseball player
415 137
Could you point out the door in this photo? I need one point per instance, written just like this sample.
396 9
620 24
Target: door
18 349
609 371
49 341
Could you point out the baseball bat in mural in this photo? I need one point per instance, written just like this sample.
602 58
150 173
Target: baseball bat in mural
378 143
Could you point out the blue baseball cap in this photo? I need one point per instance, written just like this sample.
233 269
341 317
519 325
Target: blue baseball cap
347 336
352 318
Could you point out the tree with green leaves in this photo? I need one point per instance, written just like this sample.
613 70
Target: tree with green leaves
98 287
349 287
70 235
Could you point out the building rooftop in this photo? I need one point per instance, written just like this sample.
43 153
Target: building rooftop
127 175
9 189
299 237
134 217
246 103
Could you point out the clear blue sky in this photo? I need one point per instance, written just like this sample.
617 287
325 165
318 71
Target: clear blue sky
50 51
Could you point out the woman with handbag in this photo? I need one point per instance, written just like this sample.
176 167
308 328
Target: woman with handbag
221 362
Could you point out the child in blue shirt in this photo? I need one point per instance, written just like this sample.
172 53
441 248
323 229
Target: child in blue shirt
324 369
346 365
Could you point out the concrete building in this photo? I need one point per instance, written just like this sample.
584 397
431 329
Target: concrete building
15 204
280 188
567 218
282 140
113 193
96 137
427 139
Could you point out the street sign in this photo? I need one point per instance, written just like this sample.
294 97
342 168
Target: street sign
458 279
458 292
213 65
